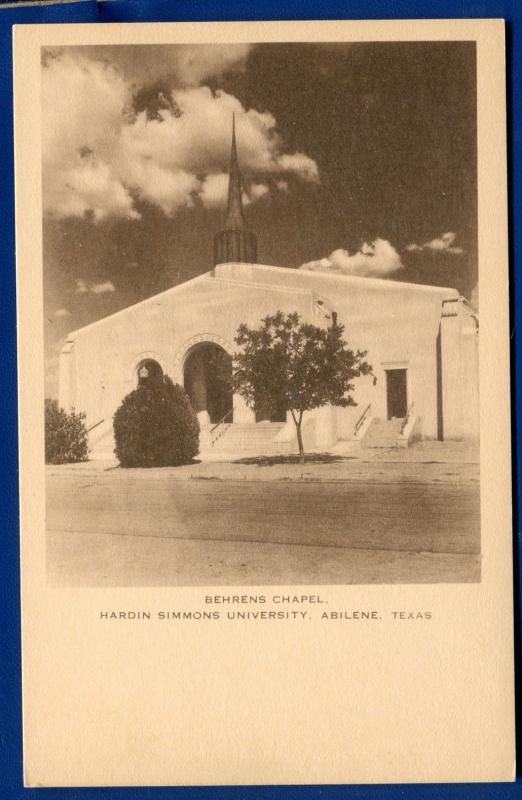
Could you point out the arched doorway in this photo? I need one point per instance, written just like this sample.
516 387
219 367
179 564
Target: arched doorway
207 375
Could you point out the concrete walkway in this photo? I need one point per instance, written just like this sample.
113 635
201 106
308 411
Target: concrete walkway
425 462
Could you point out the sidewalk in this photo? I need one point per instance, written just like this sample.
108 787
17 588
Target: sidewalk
423 462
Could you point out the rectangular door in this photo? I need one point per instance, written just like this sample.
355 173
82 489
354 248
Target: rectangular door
396 393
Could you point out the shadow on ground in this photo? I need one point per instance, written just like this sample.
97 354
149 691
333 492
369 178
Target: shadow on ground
294 458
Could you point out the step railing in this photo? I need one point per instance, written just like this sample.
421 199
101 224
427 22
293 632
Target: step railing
95 425
406 419
362 419
221 427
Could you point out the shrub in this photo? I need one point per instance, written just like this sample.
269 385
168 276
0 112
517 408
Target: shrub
156 426
65 435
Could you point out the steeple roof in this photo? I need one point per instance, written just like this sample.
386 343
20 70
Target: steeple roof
234 242
234 220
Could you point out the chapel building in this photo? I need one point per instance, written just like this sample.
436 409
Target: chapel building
422 342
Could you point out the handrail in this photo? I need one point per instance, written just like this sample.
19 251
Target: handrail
361 419
406 418
95 425
229 412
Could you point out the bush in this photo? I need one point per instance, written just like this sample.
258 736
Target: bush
65 435
156 426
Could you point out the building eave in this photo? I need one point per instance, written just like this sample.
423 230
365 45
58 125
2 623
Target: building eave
140 304
381 283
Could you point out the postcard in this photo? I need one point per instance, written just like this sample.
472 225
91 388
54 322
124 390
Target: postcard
265 466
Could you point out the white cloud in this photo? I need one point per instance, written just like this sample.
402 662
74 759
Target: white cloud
198 62
376 259
100 157
299 164
442 243
186 65
82 106
258 190
101 288
82 287
214 190
62 312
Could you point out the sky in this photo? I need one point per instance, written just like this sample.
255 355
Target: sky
357 158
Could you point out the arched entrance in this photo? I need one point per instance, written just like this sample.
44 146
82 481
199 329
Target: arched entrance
207 374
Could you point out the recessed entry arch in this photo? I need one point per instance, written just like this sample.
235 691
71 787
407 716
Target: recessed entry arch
188 346
207 379
210 388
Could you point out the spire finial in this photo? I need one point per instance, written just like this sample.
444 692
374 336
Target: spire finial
234 219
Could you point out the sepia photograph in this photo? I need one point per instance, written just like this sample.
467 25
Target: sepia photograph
260 277
264 449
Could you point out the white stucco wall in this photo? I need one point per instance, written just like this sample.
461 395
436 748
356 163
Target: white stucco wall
397 323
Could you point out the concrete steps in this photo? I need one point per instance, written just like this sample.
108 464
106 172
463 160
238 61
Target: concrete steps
231 440
383 433
237 439
101 443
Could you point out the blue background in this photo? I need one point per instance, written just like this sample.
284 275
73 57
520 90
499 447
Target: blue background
178 10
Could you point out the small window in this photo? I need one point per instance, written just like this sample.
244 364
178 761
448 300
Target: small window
149 371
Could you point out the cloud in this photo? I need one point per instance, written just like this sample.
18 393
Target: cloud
258 190
82 287
443 243
82 106
101 288
198 62
62 312
376 259
101 157
214 190
299 164
184 65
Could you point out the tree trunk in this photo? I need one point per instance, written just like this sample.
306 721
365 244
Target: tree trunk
297 422
300 443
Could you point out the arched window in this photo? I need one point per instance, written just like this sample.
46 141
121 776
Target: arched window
149 371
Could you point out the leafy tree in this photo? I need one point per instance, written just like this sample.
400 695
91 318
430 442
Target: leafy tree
295 365
65 435
156 426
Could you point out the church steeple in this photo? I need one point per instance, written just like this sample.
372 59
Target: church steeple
234 242
234 219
